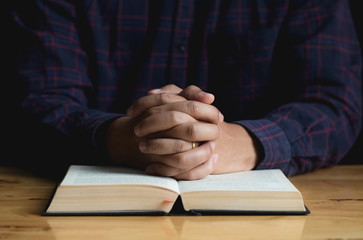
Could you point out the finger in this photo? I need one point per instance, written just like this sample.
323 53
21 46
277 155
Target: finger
191 93
191 132
200 171
170 88
151 101
195 93
176 164
197 110
160 122
163 146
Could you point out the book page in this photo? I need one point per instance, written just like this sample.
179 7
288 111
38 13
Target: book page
255 180
101 175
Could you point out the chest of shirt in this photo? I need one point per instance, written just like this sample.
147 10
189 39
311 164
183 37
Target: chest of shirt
213 44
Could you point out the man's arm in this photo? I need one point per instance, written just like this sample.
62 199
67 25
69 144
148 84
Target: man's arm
318 56
53 67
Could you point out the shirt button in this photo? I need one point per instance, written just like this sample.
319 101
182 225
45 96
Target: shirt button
182 47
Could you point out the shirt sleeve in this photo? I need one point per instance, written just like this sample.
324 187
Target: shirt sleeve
53 66
318 128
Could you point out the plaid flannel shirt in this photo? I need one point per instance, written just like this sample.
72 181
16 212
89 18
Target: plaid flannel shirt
288 71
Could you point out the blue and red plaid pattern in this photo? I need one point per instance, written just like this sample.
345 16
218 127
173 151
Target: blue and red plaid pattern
289 71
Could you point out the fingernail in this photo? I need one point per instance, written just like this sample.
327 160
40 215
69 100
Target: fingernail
142 146
221 117
137 131
213 144
215 159
155 91
202 94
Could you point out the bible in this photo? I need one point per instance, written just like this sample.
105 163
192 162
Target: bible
105 190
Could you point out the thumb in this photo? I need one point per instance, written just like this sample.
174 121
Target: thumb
170 88
194 93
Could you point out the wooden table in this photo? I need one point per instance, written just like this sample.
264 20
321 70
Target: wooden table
333 195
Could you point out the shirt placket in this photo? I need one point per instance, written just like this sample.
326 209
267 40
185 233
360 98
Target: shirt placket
179 51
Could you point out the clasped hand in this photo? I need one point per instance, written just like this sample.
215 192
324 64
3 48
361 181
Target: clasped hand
158 132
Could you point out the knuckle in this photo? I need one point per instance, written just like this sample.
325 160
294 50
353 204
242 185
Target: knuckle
193 108
206 151
153 111
164 98
183 162
192 132
190 91
173 117
179 146
192 87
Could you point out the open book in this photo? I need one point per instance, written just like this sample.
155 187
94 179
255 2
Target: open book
100 190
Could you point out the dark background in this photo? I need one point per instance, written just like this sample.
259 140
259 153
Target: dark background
16 146
355 155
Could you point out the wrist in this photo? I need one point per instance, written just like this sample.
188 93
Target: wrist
120 143
236 149
257 145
